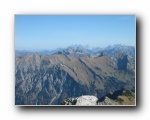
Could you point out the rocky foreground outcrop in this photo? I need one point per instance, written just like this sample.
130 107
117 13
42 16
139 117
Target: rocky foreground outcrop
125 98
82 100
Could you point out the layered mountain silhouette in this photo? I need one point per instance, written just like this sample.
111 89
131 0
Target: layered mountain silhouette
47 79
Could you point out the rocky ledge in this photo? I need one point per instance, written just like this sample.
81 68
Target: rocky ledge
125 98
82 100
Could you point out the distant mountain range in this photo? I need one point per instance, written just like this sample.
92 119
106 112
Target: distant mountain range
110 50
48 77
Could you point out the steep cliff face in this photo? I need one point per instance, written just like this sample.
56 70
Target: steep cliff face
47 80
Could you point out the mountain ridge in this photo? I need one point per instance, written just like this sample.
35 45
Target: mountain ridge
109 50
47 79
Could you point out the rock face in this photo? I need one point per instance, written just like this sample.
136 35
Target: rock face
107 101
47 80
84 100
87 100
120 97
69 101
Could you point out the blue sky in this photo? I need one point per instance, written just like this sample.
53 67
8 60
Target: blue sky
39 32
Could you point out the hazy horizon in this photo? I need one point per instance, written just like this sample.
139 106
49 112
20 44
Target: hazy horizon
90 47
48 32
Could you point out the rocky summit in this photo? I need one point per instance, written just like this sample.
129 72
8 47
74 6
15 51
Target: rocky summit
86 100
120 97
43 79
83 100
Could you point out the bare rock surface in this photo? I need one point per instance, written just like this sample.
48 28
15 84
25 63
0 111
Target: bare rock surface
87 100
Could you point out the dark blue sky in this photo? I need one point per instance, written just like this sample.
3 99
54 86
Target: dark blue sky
35 32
